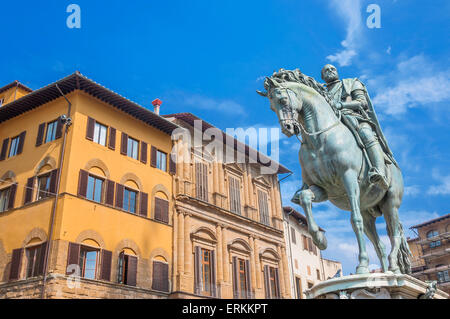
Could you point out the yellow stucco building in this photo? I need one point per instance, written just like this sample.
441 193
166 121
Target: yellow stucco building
85 194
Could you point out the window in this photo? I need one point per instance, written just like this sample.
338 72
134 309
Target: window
4 199
43 186
432 234
273 282
35 260
263 207
100 132
129 200
160 280
14 146
298 287
242 277
201 181
132 148
442 276
127 272
51 131
1 101
161 160
318 274
235 195
293 235
94 189
206 271
88 262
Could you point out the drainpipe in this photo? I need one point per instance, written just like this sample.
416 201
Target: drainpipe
67 121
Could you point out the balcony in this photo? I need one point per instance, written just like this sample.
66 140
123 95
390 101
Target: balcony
441 237
432 253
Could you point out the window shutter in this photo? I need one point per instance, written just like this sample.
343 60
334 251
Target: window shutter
59 128
12 196
82 183
205 181
105 272
172 164
267 281
310 246
213 274
29 190
110 185
73 256
143 205
235 279
305 243
198 182
119 195
90 129
124 144
112 138
248 279
160 280
21 142
277 281
132 270
40 135
153 154
144 152
16 262
162 210
197 270
293 235
4 149
42 255
53 180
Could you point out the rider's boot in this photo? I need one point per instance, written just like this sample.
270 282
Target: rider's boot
376 156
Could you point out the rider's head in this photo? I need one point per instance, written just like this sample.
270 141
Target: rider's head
329 73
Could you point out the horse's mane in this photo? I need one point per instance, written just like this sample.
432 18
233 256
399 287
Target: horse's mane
297 76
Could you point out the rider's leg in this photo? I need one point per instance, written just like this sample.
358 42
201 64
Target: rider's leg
376 155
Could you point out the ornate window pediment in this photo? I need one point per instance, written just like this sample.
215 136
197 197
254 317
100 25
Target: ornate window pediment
233 168
205 236
262 182
240 247
269 255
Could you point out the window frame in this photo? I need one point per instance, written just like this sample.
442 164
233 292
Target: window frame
87 249
95 136
38 184
242 274
436 243
122 269
274 285
15 139
206 265
125 199
129 149
102 191
159 160
38 251
53 133
5 206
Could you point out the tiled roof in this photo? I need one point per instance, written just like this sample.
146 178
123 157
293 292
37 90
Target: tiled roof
14 84
431 221
77 81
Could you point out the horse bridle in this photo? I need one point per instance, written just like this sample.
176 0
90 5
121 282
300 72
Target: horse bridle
290 109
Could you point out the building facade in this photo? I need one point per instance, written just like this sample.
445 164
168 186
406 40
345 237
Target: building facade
306 265
228 239
431 251
85 194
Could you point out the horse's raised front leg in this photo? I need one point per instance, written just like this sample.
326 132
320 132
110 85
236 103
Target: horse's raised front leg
304 197
350 180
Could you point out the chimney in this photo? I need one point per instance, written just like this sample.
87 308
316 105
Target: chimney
156 104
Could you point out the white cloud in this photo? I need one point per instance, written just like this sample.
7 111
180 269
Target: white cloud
441 189
350 12
411 190
415 81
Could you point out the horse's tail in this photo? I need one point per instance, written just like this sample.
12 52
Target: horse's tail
404 253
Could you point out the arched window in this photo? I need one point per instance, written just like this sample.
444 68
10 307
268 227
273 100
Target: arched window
431 234
127 272
160 278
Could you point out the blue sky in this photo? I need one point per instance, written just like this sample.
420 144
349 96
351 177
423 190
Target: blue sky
209 57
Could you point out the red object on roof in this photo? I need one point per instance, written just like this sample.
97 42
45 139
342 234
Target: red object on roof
157 102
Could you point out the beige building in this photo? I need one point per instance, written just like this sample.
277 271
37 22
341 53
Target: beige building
306 265
228 239
431 251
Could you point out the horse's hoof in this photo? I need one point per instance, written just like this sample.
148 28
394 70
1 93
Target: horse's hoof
360 270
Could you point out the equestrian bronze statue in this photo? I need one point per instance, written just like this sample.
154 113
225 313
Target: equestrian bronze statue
344 158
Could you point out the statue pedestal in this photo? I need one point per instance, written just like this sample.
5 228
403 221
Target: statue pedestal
374 286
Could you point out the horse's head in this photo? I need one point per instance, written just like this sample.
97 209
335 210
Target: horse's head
285 102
